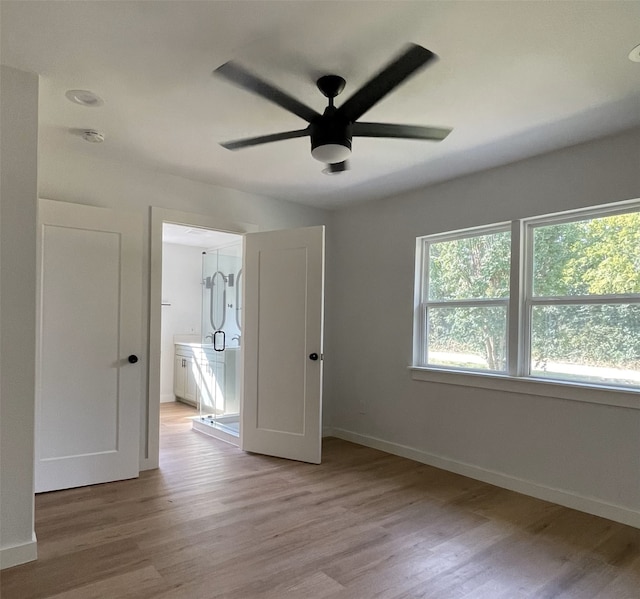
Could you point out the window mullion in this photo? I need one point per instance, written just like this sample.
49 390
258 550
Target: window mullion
515 301
524 347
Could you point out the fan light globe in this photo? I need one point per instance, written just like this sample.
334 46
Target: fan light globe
331 153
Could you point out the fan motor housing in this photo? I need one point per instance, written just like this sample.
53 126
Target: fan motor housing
330 130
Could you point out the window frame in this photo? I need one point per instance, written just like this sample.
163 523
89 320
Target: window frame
425 303
518 376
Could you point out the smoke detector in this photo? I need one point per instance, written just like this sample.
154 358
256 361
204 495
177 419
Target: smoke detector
92 136
84 97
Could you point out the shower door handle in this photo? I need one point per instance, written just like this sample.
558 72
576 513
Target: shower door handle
217 344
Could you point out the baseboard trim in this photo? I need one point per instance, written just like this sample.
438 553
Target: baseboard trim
581 503
19 554
167 397
327 431
149 464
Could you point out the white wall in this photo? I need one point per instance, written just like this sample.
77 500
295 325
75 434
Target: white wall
182 289
581 454
18 205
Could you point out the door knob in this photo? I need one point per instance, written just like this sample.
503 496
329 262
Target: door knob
132 359
313 356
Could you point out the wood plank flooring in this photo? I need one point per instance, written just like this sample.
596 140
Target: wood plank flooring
216 522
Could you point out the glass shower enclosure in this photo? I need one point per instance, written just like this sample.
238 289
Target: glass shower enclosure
219 405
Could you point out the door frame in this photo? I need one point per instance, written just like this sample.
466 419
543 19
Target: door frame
151 409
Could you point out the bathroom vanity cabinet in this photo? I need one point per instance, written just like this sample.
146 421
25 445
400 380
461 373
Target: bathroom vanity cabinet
185 374
205 378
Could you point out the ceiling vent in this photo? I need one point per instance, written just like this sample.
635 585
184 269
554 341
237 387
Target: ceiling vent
92 136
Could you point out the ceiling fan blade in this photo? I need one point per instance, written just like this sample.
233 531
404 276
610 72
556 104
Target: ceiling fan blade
263 139
399 131
336 168
241 77
391 76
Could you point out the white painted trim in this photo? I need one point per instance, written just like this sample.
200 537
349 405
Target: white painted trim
515 350
151 457
147 464
573 215
608 396
590 505
500 227
167 398
19 554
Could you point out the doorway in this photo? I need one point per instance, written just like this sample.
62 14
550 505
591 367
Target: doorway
294 343
201 326
155 391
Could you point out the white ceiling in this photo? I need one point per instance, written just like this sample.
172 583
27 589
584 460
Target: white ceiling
197 237
514 79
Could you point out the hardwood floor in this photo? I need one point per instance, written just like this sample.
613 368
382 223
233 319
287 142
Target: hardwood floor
216 522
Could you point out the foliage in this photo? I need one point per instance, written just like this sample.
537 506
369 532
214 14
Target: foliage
590 257
596 257
470 268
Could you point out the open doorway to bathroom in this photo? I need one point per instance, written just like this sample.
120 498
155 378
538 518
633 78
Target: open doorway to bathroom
201 326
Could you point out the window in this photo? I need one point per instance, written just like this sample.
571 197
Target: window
584 299
551 298
466 291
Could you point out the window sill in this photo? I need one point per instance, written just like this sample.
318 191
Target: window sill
598 394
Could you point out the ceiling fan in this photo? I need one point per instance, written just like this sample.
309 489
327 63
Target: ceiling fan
332 131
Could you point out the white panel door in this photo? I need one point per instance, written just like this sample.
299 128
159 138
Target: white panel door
88 404
282 343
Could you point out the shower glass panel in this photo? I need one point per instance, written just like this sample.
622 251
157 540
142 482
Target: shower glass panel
219 360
